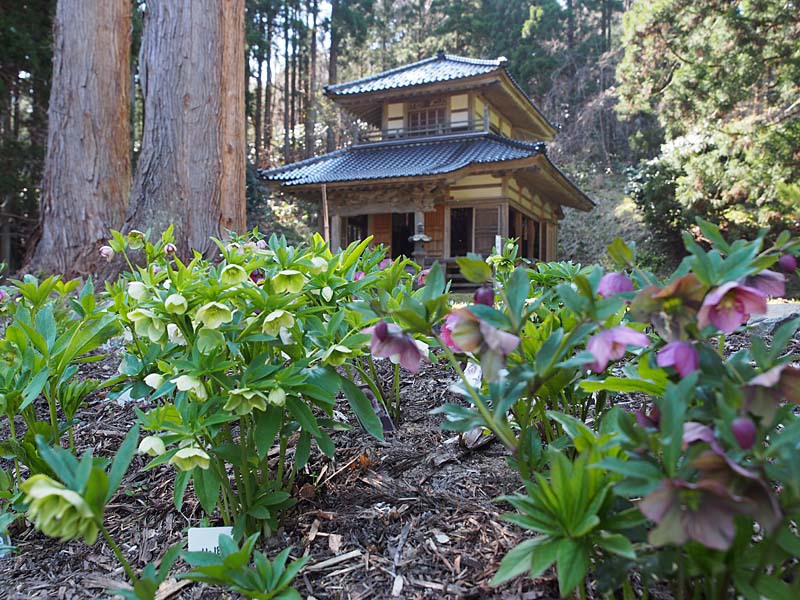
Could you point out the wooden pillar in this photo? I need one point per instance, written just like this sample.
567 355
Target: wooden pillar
336 232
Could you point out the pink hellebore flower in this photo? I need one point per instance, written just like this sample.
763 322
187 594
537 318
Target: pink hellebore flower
730 305
389 340
611 344
682 356
464 332
386 262
764 393
768 282
107 252
3 295
614 283
423 275
170 249
358 275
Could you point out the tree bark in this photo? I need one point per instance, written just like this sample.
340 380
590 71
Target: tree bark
87 169
286 85
311 116
268 93
333 67
191 169
259 88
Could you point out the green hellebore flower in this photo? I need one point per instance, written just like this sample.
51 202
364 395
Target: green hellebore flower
176 304
135 239
276 320
233 275
336 355
209 339
137 290
214 314
152 445
58 512
154 380
242 401
188 458
174 334
193 385
277 397
147 324
288 280
318 265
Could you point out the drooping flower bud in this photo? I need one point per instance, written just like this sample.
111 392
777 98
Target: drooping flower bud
107 252
614 283
277 320
787 263
3 295
232 275
152 445
381 330
744 430
170 249
176 304
277 397
288 280
193 385
261 244
154 380
187 459
214 314
135 239
137 290
484 295
243 401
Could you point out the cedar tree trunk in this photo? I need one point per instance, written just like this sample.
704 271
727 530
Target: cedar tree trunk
87 170
191 169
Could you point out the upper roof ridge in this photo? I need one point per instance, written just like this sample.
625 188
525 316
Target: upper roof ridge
400 69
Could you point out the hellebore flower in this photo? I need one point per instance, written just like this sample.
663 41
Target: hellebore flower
484 295
464 332
614 283
262 244
152 445
768 283
58 512
386 262
209 340
318 265
244 400
190 457
135 239
3 295
176 304
233 275
744 430
730 305
154 380
170 249
277 397
650 419
423 275
214 314
682 356
611 344
137 290
147 324
337 355
277 320
174 334
669 309
107 252
788 263
702 511
193 385
389 340
359 275
288 280
764 393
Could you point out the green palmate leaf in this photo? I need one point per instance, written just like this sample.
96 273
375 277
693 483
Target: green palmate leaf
181 481
362 407
517 290
621 253
673 411
620 384
303 414
572 564
637 469
517 561
474 269
491 316
268 423
206 486
617 544
122 461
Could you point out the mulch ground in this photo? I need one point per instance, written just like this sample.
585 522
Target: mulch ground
411 517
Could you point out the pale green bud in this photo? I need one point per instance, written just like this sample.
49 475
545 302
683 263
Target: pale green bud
154 380
193 385
318 265
176 304
276 320
152 445
188 458
336 355
137 290
214 314
277 397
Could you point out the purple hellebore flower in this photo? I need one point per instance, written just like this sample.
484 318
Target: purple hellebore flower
764 393
744 430
788 263
484 295
682 356
170 249
3 295
464 332
650 419
614 283
385 263
611 344
449 324
389 340
423 275
730 305
768 282
358 275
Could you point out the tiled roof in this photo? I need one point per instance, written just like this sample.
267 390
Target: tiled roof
442 67
403 158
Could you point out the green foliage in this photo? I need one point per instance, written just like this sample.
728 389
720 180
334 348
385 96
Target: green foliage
232 569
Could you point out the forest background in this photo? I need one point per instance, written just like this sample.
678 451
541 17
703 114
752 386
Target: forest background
689 108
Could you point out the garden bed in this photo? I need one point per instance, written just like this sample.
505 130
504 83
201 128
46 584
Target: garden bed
411 517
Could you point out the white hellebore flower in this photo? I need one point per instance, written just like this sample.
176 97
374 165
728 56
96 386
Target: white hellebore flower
176 304
193 385
137 290
152 445
154 380
174 334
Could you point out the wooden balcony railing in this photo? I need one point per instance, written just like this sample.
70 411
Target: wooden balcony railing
382 135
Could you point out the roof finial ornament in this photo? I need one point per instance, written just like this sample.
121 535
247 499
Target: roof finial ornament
502 60
440 54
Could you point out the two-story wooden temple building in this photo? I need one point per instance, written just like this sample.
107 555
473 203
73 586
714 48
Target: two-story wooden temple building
455 145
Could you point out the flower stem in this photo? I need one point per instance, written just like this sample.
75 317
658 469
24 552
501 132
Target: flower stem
118 553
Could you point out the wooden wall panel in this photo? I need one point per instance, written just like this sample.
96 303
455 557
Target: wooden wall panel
380 226
434 227
486 228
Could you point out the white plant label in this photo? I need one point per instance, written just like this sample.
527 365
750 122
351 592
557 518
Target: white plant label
206 539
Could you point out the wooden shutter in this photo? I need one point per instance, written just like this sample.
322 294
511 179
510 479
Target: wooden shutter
486 228
381 228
